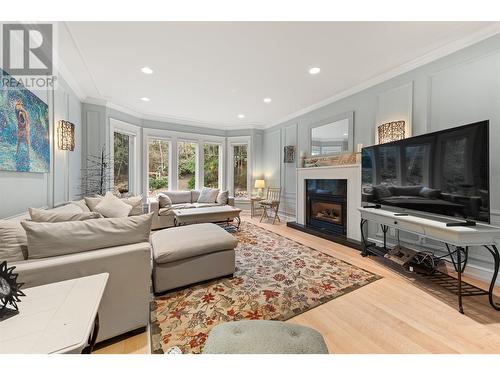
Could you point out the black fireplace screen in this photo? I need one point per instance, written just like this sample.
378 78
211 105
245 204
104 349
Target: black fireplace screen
326 205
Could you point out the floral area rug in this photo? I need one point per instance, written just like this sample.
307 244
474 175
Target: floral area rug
276 278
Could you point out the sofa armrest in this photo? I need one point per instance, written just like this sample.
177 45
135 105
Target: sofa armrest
230 201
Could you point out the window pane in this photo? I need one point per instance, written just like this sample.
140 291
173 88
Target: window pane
187 165
158 166
240 161
121 162
211 165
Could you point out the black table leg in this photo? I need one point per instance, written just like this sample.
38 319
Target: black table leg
93 336
496 257
459 270
364 246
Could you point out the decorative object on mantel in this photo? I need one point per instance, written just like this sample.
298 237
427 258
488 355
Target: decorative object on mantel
289 154
10 291
391 131
66 135
302 159
97 177
326 161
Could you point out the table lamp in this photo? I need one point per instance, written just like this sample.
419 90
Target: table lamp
260 185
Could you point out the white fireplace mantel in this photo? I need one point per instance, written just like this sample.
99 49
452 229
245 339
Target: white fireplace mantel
351 173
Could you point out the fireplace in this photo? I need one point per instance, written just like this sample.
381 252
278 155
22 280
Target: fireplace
326 205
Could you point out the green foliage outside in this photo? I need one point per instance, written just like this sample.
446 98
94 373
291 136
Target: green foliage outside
121 161
187 165
211 167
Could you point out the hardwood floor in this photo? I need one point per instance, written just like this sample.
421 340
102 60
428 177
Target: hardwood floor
392 315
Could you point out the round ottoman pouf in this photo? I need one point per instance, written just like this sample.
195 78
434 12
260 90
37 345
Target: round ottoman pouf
264 337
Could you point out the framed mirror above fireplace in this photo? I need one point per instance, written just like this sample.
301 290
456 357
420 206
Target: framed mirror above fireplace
332 136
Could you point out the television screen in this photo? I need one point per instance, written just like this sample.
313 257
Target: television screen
445 172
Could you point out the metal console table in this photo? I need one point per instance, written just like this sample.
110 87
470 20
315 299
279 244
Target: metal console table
458 240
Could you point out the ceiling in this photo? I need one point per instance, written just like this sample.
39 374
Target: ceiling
207 73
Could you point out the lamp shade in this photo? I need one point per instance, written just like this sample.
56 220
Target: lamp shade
260 184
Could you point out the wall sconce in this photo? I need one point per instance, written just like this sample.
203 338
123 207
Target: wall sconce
391 131
66 135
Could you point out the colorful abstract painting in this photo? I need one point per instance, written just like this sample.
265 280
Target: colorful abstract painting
24 131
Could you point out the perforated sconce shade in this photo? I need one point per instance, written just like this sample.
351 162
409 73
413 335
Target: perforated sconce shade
66 135
391 131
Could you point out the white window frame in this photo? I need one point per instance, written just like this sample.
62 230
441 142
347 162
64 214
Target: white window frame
134 132
174 137
239 141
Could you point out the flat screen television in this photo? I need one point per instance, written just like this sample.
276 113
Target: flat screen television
445 173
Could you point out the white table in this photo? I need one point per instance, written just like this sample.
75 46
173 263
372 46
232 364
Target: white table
55 318
459 237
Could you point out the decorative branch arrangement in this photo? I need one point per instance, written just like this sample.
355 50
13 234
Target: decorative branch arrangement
97 176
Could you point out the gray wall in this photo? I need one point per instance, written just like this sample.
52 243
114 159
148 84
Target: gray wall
20 190
458 89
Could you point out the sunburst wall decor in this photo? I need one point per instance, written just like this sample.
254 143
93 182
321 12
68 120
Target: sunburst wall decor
10 289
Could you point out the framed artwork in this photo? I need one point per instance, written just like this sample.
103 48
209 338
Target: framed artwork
24 130
289 154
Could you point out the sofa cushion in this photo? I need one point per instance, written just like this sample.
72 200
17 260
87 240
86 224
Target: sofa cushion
81 204
91 202
223 197
409 191
429 193
13 241
180 196
54 216
381 191
53 239
185 242
166 211
111 206
208 195
164 200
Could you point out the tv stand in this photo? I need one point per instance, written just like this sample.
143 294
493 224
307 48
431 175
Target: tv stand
467 223
457 238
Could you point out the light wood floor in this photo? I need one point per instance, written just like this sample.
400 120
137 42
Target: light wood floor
390 315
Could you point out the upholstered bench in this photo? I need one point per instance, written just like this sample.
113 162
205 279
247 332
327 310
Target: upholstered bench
264 337
190 254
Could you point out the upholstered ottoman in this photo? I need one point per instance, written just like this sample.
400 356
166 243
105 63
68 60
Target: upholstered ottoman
264 337
190 254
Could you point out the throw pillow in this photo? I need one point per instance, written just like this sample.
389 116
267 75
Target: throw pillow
54 239
429 193
208 195
81 203
111 206
223 197
136 203
164 200
91 202
13 242
50 216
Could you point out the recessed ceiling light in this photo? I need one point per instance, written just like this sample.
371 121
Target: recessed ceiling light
314 70
144 99
267 100
346 134
241 115
147 70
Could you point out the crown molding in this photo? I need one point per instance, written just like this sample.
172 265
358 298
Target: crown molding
438 53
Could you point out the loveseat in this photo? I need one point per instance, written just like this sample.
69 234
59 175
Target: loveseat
124 306
163 217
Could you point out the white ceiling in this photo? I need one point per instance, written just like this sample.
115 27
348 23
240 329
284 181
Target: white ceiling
206 73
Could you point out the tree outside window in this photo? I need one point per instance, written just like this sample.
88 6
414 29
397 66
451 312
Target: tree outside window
121 158
158 155
211 165
186 165
240 167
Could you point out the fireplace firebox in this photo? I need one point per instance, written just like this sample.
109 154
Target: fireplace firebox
326 205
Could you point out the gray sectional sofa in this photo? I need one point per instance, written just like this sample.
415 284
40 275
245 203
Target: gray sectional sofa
183 199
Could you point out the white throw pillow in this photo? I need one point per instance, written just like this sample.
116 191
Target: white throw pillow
223 197
13 241
136 203
111 206
52 216
208 195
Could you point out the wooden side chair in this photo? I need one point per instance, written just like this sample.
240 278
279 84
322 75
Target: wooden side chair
271 202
